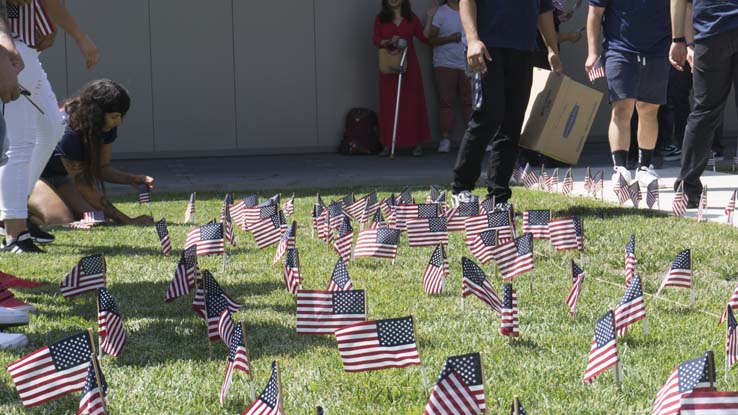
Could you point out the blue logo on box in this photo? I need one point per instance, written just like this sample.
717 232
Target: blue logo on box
571 121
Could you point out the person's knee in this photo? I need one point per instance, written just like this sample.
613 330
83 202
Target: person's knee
622 112
647 111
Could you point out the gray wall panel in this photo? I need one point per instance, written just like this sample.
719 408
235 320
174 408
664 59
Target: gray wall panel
120 31
192 66
54 61
275 74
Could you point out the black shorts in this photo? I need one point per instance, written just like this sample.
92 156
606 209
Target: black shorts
631 76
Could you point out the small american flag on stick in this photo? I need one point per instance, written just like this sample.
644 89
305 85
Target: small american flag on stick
407 212
482 244
340 279
730 207
376 345
460 386
732 303
567 233
94 393
679 205
220 322
691 376
568 184
509 324
588 181
632 308
143 194
52 371
190 210
577 277
679 273
292 275
630 259
731 340
268 230
502 222
238 359
324 312
427 232
434 277
709 403
270 400
514 258
378 243
163 233
207 238
184 275
287 242
112 334
604 351
289 206
474 281
209 284
702 206
597 71
535 222
342 243
456 217
371 205
652 194
87 275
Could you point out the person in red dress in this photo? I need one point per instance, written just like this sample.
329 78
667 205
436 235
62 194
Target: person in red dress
397 21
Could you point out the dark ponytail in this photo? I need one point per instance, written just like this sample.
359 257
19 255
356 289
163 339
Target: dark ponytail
86 116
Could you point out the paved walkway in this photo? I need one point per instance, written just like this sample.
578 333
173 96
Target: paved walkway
322 171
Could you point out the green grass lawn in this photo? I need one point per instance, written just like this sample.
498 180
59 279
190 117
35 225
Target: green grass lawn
169 367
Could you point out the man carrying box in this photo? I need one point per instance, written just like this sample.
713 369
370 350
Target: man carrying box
501 38
636 48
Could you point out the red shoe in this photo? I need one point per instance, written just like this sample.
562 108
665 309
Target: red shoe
8 300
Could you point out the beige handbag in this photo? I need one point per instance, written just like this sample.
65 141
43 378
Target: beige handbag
387 61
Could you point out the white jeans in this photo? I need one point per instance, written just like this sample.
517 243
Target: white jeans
31 136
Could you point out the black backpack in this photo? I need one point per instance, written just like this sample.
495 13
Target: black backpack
361 134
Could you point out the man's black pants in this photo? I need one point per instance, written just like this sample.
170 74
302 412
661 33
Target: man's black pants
506 89
715 69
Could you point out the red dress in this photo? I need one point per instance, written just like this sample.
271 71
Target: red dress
412 125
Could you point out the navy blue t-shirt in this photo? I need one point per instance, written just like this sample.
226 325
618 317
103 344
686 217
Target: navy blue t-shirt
712 17
510 24
636 26
70 147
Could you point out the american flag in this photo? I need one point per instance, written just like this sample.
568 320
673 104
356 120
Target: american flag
405 197
286 242
184 275
553 180
28 21
702 206
577 277
52 371
634 193
434 277
535 222
598 183
347 200
567 233
87 275
456 217
292 276
388 205
709 403
277 198
680 272
253 215
238 359
731 341
459 388
207 238
96 216
340 279
227 203
324 230
209 284
568 184
604 351
679 205
289 206
543 179
380 344
227 221
482 244
92 399
597 71
515 257
630 259
488 204
427 232
143 194
690 376
474 281
732 303
377 220
499 221
371 205
652 194
268 230
324 312
730 207
509 325
517 174
355 209
621 189
433 194
270 400
378 243
524 172
342 244
220 322
521 410
190 210
238 210
588 181
335 215
163 232
632 308
112 335
407 212
318 208
530 179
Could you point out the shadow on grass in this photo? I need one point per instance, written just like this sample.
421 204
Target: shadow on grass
608 212
524 344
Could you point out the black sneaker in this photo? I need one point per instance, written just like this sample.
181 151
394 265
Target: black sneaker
693 204
23 245
39 235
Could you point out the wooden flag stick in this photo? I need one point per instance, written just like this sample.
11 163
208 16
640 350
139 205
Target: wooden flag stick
462 294
727 366
481 368
645 326
98 336
225 258
516 405
711 368
100 391
279 387
248 357
617 369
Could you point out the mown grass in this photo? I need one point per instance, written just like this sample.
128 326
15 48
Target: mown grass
168 367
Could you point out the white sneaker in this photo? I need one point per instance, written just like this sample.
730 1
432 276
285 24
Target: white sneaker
444 146
464 196
488 149
620 171
13 340
646 175
10 317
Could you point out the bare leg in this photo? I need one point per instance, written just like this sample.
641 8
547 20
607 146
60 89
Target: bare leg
648 125
46 204
619 131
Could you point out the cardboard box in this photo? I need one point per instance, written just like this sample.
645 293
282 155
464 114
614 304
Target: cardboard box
559 116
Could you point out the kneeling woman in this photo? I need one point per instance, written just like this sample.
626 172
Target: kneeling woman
73 181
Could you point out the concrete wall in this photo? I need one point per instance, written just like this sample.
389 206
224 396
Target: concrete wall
227 77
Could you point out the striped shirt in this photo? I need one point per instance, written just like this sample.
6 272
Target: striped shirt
28 21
